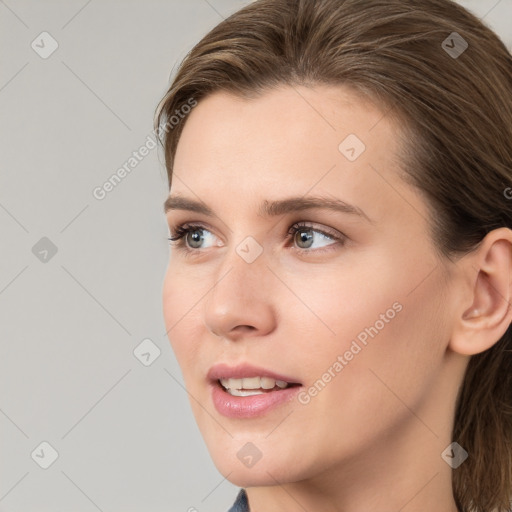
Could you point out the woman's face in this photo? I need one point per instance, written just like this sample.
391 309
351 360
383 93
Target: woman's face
353 305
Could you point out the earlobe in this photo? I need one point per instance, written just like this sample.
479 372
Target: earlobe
489 271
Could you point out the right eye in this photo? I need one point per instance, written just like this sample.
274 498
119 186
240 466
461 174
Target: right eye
190 236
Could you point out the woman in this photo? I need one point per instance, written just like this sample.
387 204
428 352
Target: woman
339 284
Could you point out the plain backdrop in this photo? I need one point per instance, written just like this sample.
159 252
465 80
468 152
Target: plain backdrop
93 415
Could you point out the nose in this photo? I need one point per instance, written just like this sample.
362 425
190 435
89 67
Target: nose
240 303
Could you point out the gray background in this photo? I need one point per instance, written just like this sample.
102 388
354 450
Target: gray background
70 321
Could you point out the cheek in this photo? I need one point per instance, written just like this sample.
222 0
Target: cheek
180 316
392 347
392 299
391 336
171 306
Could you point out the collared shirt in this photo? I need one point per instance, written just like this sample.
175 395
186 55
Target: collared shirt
241 504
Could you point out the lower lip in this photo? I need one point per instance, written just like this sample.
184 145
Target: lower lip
250 406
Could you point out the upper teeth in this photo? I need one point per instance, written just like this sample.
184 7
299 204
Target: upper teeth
253 383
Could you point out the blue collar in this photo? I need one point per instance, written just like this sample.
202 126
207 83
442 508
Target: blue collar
241 504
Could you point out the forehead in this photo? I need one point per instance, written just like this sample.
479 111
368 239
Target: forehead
279 122
288 141
282 114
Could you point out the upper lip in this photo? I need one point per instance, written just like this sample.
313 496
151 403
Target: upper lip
224 371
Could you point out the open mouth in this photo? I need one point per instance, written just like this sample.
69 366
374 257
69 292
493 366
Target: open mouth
249 386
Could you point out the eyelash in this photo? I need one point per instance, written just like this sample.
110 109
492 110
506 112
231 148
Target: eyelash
179 241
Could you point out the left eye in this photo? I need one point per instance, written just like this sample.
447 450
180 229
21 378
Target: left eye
306 236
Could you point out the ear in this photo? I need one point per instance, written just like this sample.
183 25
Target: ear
485 310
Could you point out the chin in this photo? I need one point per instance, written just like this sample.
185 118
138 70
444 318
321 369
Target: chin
247 478
266 471
252 477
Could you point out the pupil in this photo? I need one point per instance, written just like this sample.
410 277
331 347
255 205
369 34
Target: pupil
196 238
306 237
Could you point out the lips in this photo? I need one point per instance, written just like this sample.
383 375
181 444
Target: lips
252 385
247 372
245 391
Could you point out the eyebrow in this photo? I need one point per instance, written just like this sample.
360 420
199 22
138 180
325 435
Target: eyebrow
271 208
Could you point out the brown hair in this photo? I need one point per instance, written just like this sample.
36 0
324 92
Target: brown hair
455 124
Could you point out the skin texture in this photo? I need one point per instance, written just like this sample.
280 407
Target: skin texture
372 438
